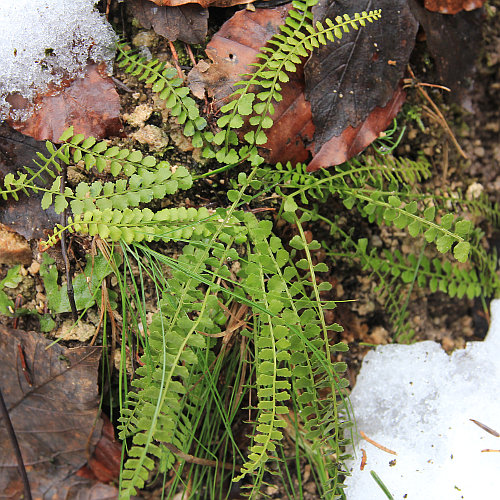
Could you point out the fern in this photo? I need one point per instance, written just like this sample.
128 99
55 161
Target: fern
166 82
161 410
376 191
297 39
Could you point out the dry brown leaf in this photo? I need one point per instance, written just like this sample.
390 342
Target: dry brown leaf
232 49
293 130
203 3
454 43
353 140
24 216
188 22
452 6
90 104
55 418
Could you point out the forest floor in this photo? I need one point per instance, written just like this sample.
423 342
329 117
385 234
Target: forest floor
433 316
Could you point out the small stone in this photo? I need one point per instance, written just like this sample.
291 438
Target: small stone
493 127
479 151
69 331
14 249
412 134
153 136
474 191
182 142
75 174
379 335
144 39
364 309
159 105
376 241
448 344
139 116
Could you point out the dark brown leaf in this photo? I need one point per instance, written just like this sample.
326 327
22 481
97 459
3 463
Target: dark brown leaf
453 42
289 137
24 216
203 3
353 140
188 23
452 6
231 50
104 464
55 418
234 47
347 79
90 104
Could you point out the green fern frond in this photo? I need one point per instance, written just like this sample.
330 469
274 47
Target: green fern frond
166 82
271 350
162 410
255 96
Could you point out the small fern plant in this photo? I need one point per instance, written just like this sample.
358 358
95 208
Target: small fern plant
386 191
256 94
251 105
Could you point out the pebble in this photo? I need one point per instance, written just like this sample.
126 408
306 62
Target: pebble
153 136
139 116
144 39
479 151
474 191
34 268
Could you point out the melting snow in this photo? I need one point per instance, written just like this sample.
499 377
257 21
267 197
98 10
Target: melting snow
43 41
418 401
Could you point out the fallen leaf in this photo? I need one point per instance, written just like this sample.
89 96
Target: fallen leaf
188 23
353 140
453 42
203 3
292 132
233 48
452 6
55 418
24 216
104 464
90 104
348 78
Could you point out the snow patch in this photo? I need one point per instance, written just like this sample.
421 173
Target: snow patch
418 401
44 41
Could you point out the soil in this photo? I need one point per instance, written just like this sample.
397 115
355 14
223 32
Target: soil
433 316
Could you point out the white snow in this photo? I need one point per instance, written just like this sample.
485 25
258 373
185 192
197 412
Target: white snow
418 401
42 41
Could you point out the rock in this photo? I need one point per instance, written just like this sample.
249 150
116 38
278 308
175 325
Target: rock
14 249
69 331
144 39
139 116
153 136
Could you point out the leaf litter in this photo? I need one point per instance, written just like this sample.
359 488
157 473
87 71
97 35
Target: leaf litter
54 407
